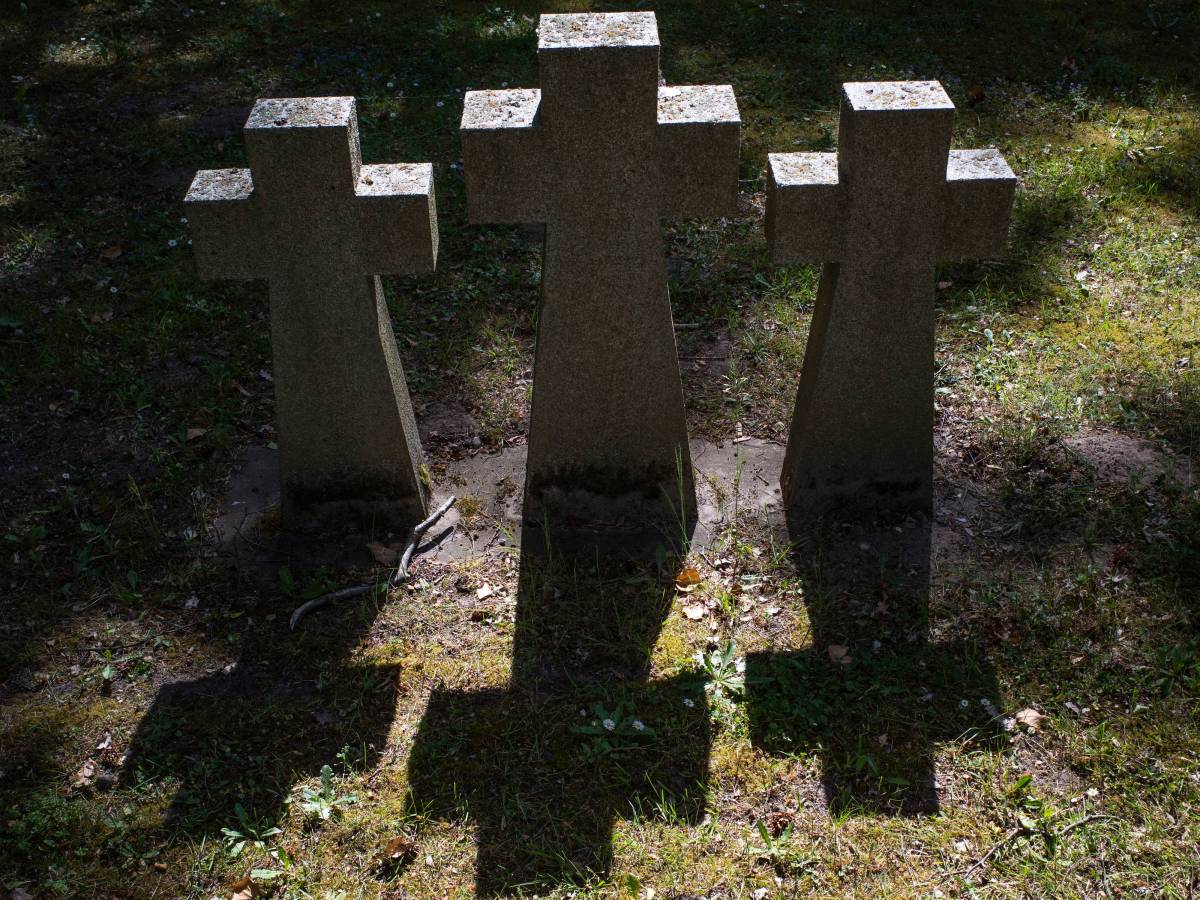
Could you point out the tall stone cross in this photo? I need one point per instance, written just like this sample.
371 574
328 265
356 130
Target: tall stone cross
600 155
321 227
881 214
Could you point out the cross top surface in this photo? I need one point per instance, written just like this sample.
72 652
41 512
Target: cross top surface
575 31
891 96
303 112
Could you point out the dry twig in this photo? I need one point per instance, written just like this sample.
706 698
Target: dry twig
398 577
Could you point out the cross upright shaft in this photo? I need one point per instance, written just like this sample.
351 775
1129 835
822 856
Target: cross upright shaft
881 214
320 226
600 155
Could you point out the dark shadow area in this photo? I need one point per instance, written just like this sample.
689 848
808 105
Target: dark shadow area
586 529
244 735
579 737
877 691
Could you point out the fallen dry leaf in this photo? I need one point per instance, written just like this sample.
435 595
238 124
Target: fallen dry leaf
106 743
111 252
1030 718
242 889
399 848
839 653
85 775
196 431
484 592
98 318
694 611
688 578
384 555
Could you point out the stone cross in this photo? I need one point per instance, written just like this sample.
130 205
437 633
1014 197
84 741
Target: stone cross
600 155
321 227
881 214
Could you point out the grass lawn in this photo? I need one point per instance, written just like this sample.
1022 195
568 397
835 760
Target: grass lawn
822 713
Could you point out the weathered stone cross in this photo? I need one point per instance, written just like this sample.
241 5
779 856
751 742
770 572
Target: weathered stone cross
881 213
600 154
320 226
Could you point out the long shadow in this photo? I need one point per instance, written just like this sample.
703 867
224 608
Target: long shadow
580 736
877 691
231 745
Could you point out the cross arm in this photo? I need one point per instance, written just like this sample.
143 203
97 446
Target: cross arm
804 207
224 219
397 218
502 156
979 196
699 130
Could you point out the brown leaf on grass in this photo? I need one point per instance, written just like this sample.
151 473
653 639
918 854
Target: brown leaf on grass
1030 718
99 318
839 653
384 555
975 95
399 848
195 431
112 251
242 889
694 611
688 578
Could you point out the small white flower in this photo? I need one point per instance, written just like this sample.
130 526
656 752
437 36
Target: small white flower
1008 723
963 704
391 84
638 725
391 115
441 103
172 242
504 84
183 221
113 289
689 702
609 725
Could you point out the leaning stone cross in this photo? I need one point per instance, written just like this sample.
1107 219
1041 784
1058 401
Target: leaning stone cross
321 227
600 155
881 214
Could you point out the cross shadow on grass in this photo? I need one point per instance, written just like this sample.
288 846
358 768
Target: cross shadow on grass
230 746
877 691
581 735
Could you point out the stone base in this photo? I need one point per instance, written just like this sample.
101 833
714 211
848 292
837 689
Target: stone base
851 500
350 499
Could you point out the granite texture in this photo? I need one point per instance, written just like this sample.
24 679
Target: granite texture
320 227
881 214
600 154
